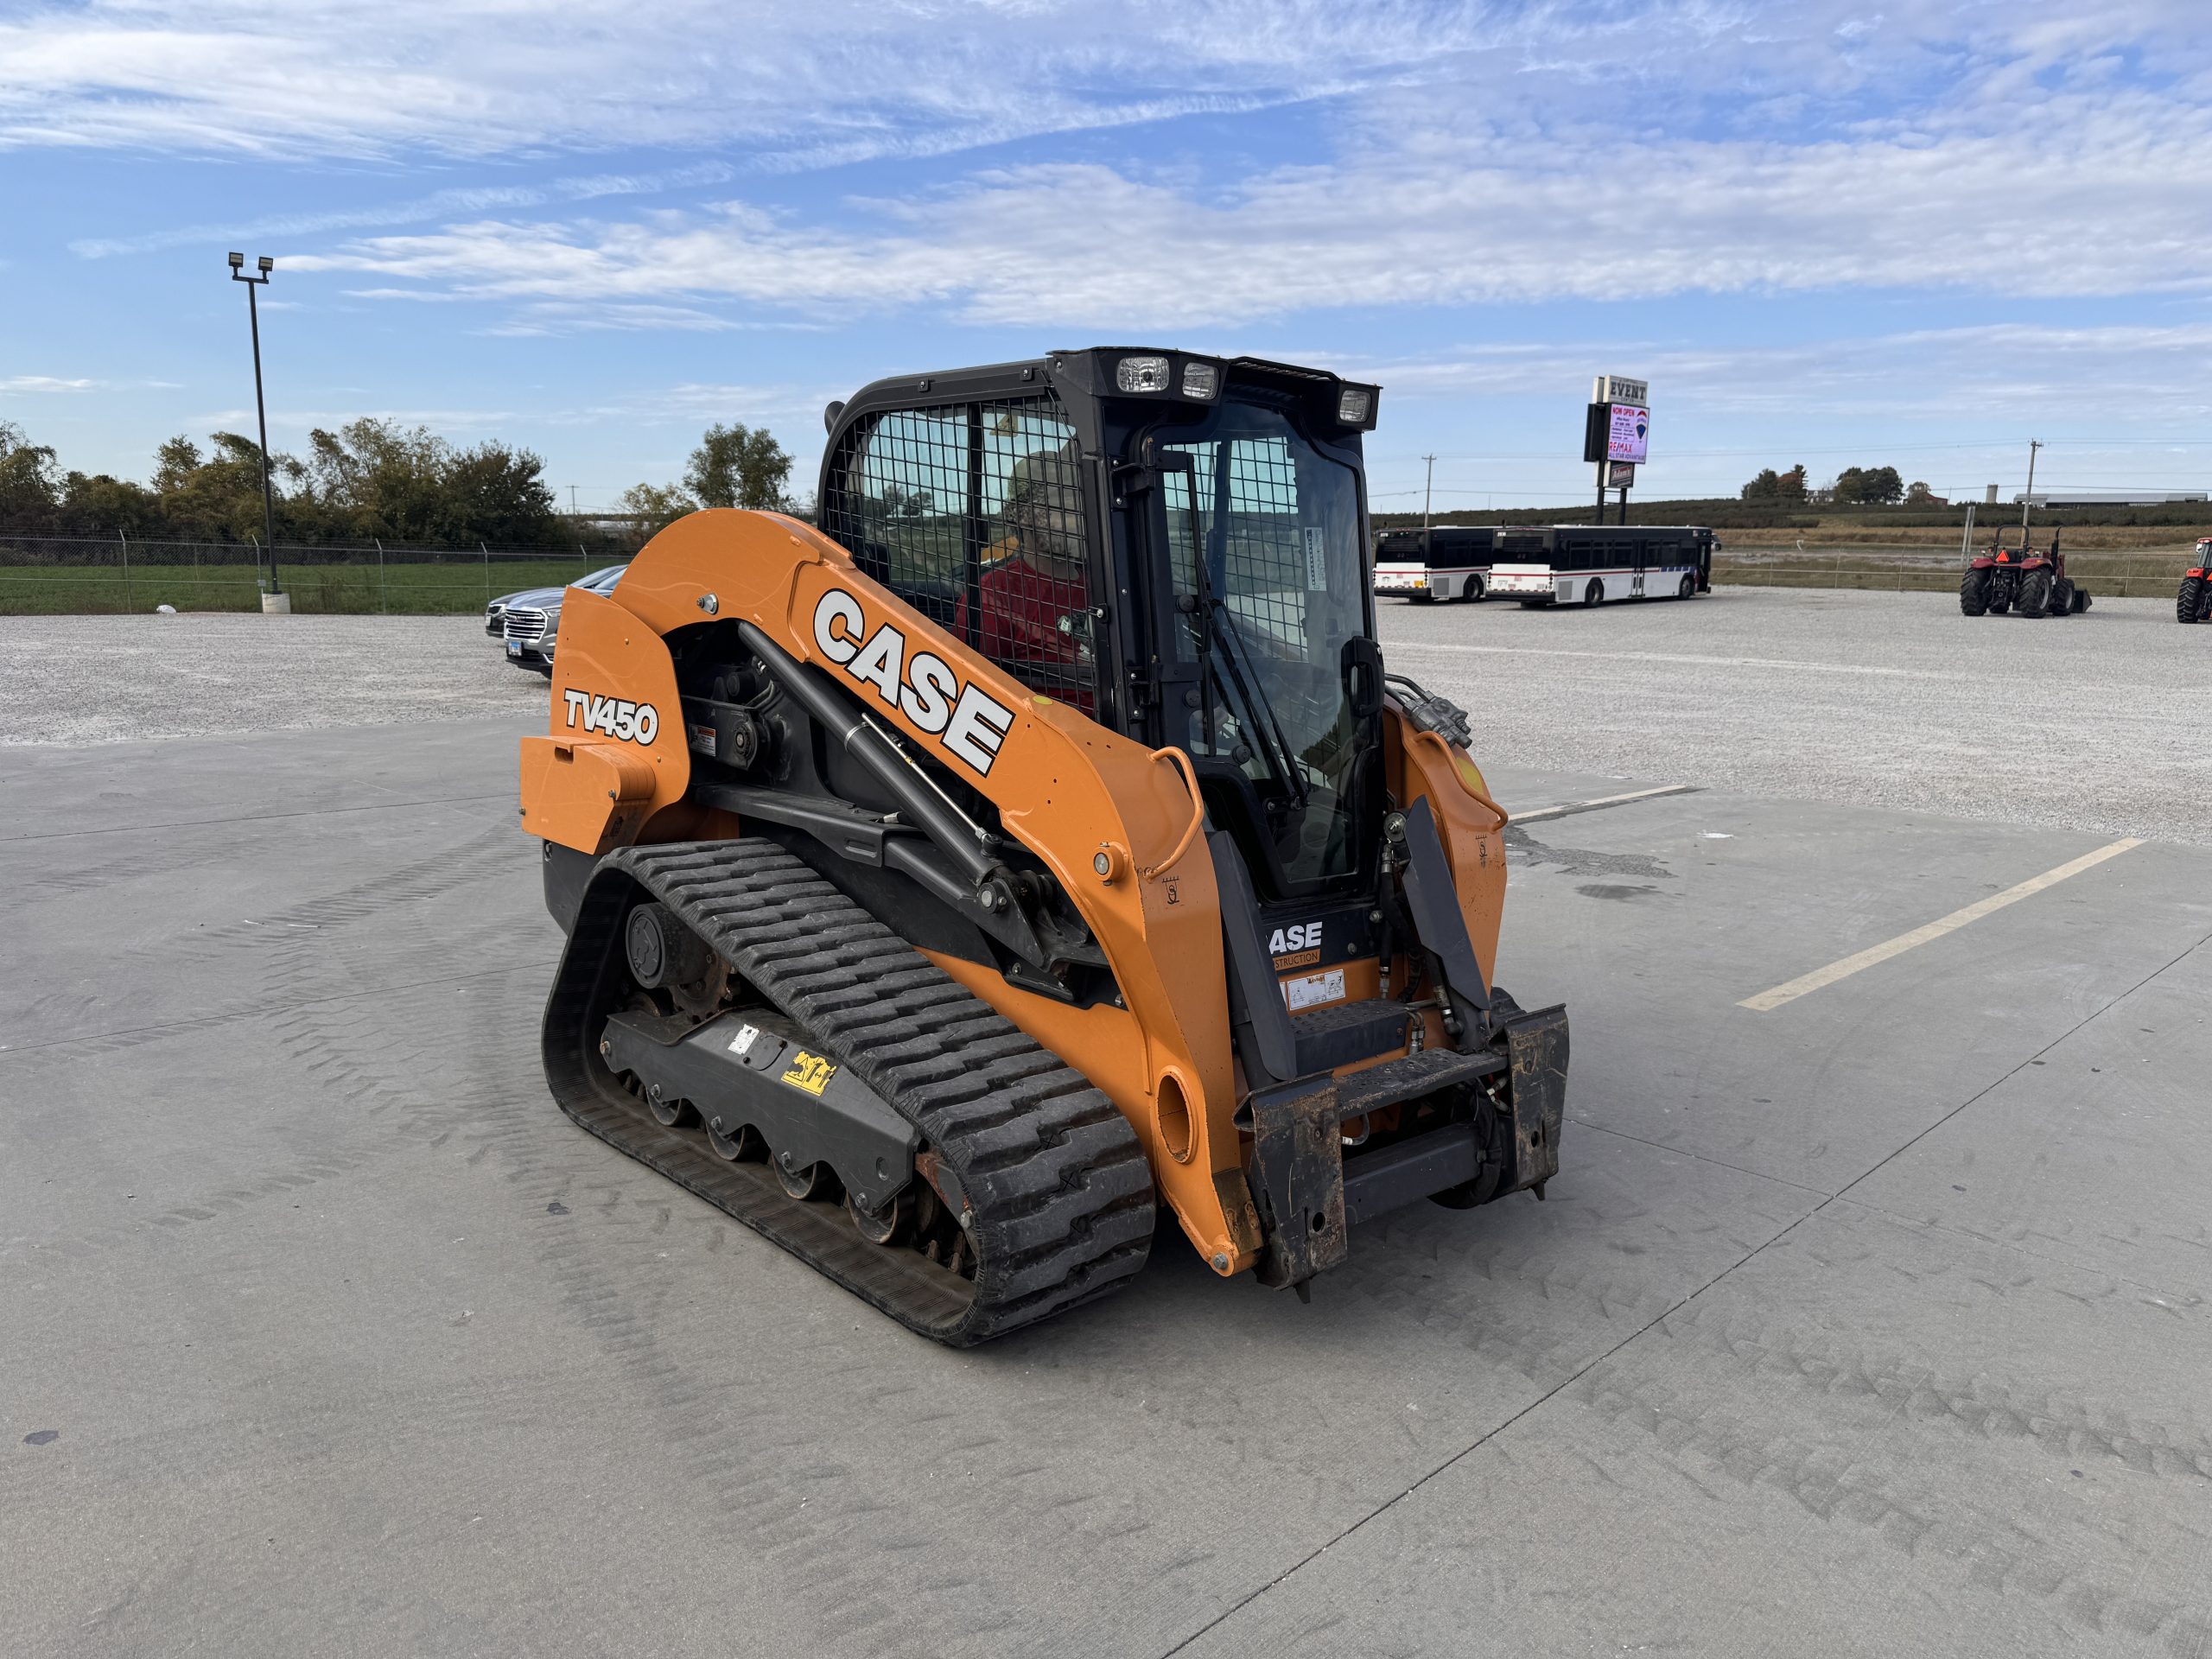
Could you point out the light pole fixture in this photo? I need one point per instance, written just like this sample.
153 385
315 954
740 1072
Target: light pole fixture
263 266
2028 499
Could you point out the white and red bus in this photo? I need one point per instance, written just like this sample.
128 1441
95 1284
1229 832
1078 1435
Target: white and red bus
1590 564
1444 561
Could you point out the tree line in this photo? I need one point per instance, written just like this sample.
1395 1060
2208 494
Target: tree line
370 481
1854 486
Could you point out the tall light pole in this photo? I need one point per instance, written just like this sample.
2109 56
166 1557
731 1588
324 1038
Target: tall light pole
2029 499
263 266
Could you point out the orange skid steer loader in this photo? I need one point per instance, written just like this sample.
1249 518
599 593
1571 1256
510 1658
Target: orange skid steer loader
1039 841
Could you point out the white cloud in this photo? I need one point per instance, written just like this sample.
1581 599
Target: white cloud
440 205
835 80
31 382
2097 196
774 86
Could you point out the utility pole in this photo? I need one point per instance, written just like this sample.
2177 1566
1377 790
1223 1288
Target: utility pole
572 501
264 265
2027 499
1428 493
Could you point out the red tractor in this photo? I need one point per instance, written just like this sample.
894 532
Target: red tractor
2194 602
2023 579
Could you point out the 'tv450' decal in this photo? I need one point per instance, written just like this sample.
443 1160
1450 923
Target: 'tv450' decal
633 722
970 723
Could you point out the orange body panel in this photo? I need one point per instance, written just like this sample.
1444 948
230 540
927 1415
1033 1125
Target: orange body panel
1421 766
616 755
1066 787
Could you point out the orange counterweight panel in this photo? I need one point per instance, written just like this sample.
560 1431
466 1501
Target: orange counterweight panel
616 755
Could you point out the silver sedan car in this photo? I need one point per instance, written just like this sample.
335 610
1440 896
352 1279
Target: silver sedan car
527 623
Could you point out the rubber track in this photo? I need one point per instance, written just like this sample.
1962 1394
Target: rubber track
1061 1193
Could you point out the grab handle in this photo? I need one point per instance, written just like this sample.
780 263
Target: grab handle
1181 762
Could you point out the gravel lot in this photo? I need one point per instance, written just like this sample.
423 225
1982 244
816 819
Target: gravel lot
2079 723
76 680
2090 723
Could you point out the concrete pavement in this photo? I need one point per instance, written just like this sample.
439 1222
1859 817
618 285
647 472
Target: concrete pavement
1876 1324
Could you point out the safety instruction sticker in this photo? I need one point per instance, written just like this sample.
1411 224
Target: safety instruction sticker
811 1072
1311 990
1317 560
742 1043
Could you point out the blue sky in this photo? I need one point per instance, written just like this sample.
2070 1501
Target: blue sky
1915 232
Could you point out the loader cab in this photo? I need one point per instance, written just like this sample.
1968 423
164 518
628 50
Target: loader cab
1174 545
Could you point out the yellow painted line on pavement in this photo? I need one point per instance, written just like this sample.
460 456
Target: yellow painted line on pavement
1935 930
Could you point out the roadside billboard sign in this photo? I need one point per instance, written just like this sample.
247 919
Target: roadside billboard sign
1628 433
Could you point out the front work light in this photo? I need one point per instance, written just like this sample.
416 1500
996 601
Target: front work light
1141 374
1352 404
264 263
238 261
1200 379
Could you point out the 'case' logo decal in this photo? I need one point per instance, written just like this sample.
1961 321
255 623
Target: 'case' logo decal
1296 946
968 723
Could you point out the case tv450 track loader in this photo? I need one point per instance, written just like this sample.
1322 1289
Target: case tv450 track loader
1039 842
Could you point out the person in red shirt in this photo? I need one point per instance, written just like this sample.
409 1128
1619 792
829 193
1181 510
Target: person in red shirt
1035 598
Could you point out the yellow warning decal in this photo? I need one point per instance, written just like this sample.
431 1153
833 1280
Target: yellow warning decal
809 1071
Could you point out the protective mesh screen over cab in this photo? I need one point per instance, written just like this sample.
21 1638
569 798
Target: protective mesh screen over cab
973 514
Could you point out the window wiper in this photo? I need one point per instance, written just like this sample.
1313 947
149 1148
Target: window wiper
1275 746
1220 638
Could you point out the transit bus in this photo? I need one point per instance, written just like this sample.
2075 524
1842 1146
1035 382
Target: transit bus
1589 564
1445 561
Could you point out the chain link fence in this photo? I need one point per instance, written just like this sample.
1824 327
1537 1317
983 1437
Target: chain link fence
1915 567
46 574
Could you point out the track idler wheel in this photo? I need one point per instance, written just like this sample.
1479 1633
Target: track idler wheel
667 956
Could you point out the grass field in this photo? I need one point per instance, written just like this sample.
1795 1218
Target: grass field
416 588
47 589
2116 572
